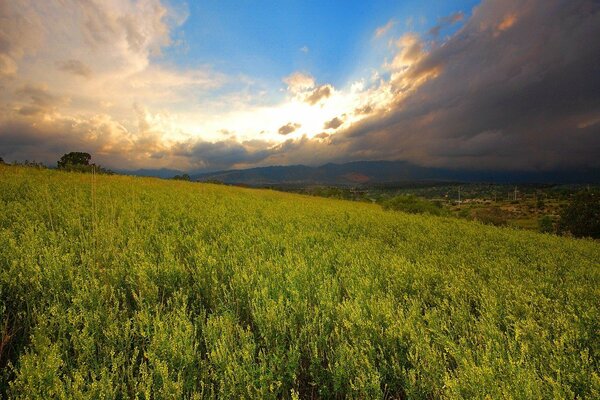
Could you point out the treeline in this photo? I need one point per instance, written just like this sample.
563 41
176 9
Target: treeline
75 161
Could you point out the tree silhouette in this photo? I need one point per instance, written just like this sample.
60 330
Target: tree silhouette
74 158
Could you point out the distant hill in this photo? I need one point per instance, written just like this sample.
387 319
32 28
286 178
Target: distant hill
379 172
158 173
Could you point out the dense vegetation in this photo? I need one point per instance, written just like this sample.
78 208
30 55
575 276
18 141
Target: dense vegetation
122 287
571 210
413 205
581 217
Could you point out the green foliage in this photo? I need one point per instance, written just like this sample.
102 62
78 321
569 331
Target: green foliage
214 182
29 164
74 159
582 216
490 215
540 203
413 205
80 162
137 288
183 177
546 224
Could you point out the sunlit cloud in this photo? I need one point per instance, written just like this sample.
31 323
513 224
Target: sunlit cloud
299 81
288 128
75 67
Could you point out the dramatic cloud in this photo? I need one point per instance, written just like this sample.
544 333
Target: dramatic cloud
516 86
222 154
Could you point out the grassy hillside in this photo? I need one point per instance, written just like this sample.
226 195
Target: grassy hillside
129 287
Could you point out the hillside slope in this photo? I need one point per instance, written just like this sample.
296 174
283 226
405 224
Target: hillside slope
125 287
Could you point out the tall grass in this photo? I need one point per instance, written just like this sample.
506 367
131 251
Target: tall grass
118 287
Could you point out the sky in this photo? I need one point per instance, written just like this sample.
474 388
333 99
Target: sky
209 85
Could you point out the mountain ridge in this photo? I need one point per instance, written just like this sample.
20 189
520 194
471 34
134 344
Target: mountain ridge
358 173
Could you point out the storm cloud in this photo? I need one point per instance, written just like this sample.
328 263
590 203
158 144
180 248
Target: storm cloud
517 87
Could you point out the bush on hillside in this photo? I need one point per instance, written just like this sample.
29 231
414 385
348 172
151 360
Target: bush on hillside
183 177
546 224
491 216
413 205
29 164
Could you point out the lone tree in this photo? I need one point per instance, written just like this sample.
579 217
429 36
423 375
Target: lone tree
73 159
2 161
76 161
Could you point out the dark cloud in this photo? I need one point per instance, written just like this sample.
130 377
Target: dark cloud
322 92
288 128
39 96
446 21
45 138
31 110
20 140
333 124
222 154
514 88
75 67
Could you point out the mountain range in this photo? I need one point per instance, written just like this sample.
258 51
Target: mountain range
364 173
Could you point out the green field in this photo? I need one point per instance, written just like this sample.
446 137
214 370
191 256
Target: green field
117 287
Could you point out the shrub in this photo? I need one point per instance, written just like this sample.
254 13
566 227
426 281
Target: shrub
492 216
183 177
413 205
546 224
